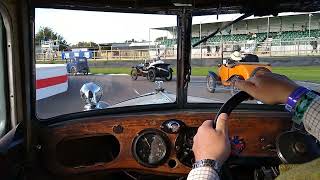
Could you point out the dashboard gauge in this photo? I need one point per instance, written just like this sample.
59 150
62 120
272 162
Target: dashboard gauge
183 146
151 148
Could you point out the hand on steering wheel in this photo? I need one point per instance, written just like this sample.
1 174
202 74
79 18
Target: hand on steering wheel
212 140
203 146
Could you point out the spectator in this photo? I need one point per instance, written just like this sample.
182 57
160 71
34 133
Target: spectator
314 45
208 50
217 50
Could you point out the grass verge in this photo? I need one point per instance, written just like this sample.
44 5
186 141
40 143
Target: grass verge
113 70
301 73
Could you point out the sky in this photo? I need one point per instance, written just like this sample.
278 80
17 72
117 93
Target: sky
105 27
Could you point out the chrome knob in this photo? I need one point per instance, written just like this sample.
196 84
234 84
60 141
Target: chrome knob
172 126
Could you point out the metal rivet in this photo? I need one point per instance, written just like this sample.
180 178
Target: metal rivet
118 129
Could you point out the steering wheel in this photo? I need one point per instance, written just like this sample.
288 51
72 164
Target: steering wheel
227 108
231 104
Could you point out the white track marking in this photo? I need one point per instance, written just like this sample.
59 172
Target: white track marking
136 92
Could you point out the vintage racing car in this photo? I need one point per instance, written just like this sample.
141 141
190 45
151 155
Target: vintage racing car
231 70
77 65
157 68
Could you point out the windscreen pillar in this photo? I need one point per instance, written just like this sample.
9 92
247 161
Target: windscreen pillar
183 56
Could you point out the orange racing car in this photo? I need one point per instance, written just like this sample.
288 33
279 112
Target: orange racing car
233 68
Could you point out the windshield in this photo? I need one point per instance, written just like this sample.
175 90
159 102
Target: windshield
286 44
131 58
96 60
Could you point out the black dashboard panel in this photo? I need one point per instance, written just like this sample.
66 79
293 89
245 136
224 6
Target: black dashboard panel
86 151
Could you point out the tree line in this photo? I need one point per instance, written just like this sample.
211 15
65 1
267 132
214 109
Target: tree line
47 33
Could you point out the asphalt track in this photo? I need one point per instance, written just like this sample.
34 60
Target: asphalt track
118 88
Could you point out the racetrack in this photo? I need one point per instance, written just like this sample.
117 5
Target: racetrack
118 88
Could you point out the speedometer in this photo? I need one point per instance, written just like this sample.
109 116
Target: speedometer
151 147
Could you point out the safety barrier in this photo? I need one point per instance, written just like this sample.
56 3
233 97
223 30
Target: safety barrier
51 79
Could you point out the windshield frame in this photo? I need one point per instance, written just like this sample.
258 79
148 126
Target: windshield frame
134 108
183 63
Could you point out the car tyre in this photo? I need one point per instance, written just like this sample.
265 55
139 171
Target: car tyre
211 84
152 75
169 77
86 72
134 74
73 71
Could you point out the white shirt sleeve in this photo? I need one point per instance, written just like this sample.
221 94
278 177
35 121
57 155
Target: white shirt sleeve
311 118
203 173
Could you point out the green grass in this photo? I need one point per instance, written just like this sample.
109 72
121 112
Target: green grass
302 73
114 70
202 71
51 62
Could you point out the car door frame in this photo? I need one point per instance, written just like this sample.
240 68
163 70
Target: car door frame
17 17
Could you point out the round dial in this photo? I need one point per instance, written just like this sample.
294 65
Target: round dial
183 146
150 148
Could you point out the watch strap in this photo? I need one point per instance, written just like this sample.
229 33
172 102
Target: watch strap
207 163
294 98
302 106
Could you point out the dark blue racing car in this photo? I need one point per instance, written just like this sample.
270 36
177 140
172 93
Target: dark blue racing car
77 65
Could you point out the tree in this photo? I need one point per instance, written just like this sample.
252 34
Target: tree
46 33
84 44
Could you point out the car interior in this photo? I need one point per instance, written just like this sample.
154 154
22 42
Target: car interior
113 143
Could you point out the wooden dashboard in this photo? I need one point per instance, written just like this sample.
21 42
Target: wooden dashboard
258 131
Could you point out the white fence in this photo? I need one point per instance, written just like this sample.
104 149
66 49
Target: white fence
209 50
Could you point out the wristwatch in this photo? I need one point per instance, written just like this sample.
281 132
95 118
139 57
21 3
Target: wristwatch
207 163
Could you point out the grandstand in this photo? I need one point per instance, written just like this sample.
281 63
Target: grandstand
263 32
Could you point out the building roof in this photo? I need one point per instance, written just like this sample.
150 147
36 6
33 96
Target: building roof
197 7
212 19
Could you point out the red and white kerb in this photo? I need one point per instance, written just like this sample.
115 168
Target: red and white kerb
51 79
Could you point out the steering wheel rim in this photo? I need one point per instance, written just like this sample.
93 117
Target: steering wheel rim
231 104
227 107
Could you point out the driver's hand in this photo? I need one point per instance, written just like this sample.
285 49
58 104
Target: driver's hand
211 143
269 88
